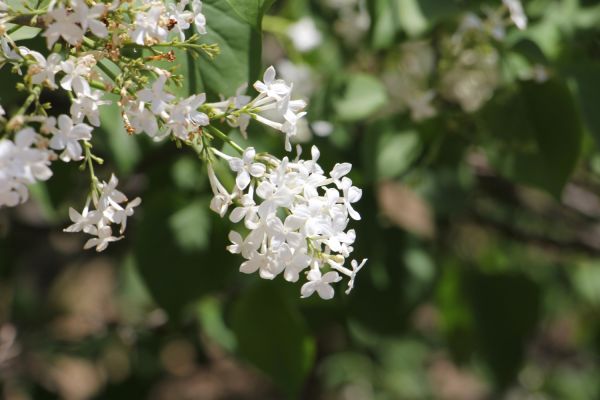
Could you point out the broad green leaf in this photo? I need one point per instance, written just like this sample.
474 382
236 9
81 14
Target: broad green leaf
123 147
385 24
396 151
557 126
210 314
588 92
586 280
251 11
364 95
538 135
234 25
272 335
411 17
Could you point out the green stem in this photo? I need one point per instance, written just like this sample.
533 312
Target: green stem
217 133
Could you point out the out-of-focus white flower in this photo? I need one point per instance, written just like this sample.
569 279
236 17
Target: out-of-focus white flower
305 35
517 14
64 24
322 128
199 19
420 105
88 17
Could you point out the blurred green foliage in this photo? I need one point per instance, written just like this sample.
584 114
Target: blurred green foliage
476 146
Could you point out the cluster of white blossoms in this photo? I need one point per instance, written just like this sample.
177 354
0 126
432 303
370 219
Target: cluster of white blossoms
296 216
110 208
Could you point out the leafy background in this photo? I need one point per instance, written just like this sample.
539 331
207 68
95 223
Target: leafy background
481 222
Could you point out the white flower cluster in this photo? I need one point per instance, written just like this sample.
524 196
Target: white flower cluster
296 217
110 208
155 108
72 23
273 107
153 22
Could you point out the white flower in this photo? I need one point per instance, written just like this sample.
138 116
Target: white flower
356 267
76 70
105 237
181 17
222 199
120 215
304 34
199 19
156 97
185 118
246 167
270 87
517 14
322 128
64 24
240 246
21 164
148 27
89 17
143 120
320 283
88 105
67 137
45 70
86 221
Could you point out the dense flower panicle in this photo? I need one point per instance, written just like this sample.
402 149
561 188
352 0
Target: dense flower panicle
294 216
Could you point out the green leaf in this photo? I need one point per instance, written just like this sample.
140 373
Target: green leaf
588 93
24 32
235 26
191 225
538 135
123 147
557 126
272 335
396 151
364 95
251 11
